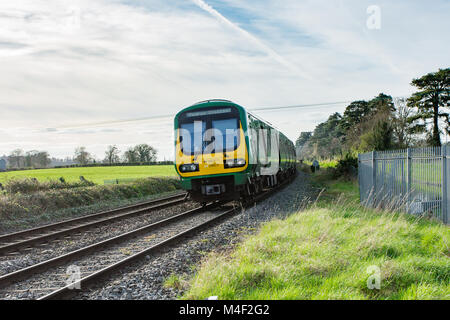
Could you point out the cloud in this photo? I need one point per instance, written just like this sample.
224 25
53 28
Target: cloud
90 61
268 50
78 132
111 130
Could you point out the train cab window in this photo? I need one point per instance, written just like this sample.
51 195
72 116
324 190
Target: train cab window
229 130
191 136
200 128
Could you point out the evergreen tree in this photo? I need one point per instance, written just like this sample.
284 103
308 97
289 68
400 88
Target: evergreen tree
432 103
380 138
354 114
303 139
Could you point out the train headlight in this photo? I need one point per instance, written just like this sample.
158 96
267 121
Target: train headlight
192 167
234 163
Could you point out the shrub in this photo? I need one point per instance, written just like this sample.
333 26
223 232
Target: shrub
19 204
347 167
30 185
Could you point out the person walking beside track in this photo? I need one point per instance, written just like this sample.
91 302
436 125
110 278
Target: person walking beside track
315 166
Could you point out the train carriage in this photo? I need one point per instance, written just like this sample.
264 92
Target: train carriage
224 152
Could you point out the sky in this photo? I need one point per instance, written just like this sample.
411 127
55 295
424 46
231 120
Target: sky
70 67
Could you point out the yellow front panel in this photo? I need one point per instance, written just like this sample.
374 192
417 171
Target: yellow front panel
210 164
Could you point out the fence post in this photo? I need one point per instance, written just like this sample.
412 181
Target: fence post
359 178
444 185
408 179
374 178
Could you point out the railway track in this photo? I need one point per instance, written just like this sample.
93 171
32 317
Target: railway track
48 279
14 242
61 276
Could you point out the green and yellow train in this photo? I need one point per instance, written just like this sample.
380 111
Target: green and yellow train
224 152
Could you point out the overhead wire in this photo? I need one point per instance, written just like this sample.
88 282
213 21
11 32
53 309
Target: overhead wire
121 121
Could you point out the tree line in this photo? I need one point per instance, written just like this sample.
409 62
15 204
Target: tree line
20 159
384 123
141 153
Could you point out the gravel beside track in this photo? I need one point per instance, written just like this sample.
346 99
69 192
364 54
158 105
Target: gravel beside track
57 247
145 279
32 221
46 282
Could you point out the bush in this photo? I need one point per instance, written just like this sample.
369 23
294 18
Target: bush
29 185
347 167
19 204
119 164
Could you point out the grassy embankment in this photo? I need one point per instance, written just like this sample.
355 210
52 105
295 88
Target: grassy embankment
25 203
325 252
95 174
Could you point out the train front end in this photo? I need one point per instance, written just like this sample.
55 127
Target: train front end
211 155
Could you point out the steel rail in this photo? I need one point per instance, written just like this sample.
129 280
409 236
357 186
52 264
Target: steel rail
25 272
68 290
62 292
135 210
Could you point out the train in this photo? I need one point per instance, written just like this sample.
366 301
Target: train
225 152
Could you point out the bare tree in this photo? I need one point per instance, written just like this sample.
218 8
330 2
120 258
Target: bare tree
29 158
43 159
401 126
130 155
37 159
145 153
112 154
16 158
82 156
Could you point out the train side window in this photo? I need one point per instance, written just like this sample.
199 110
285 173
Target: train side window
262 146
253 136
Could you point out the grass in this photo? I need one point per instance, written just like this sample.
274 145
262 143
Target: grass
34 206
95 174
19 222
324 163
326 252
174 281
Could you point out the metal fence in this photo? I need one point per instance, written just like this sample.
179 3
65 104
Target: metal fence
413 180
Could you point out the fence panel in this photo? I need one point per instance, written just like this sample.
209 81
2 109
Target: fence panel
365 178
412 180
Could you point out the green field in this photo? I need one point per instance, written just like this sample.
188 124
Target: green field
95 174
328 252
